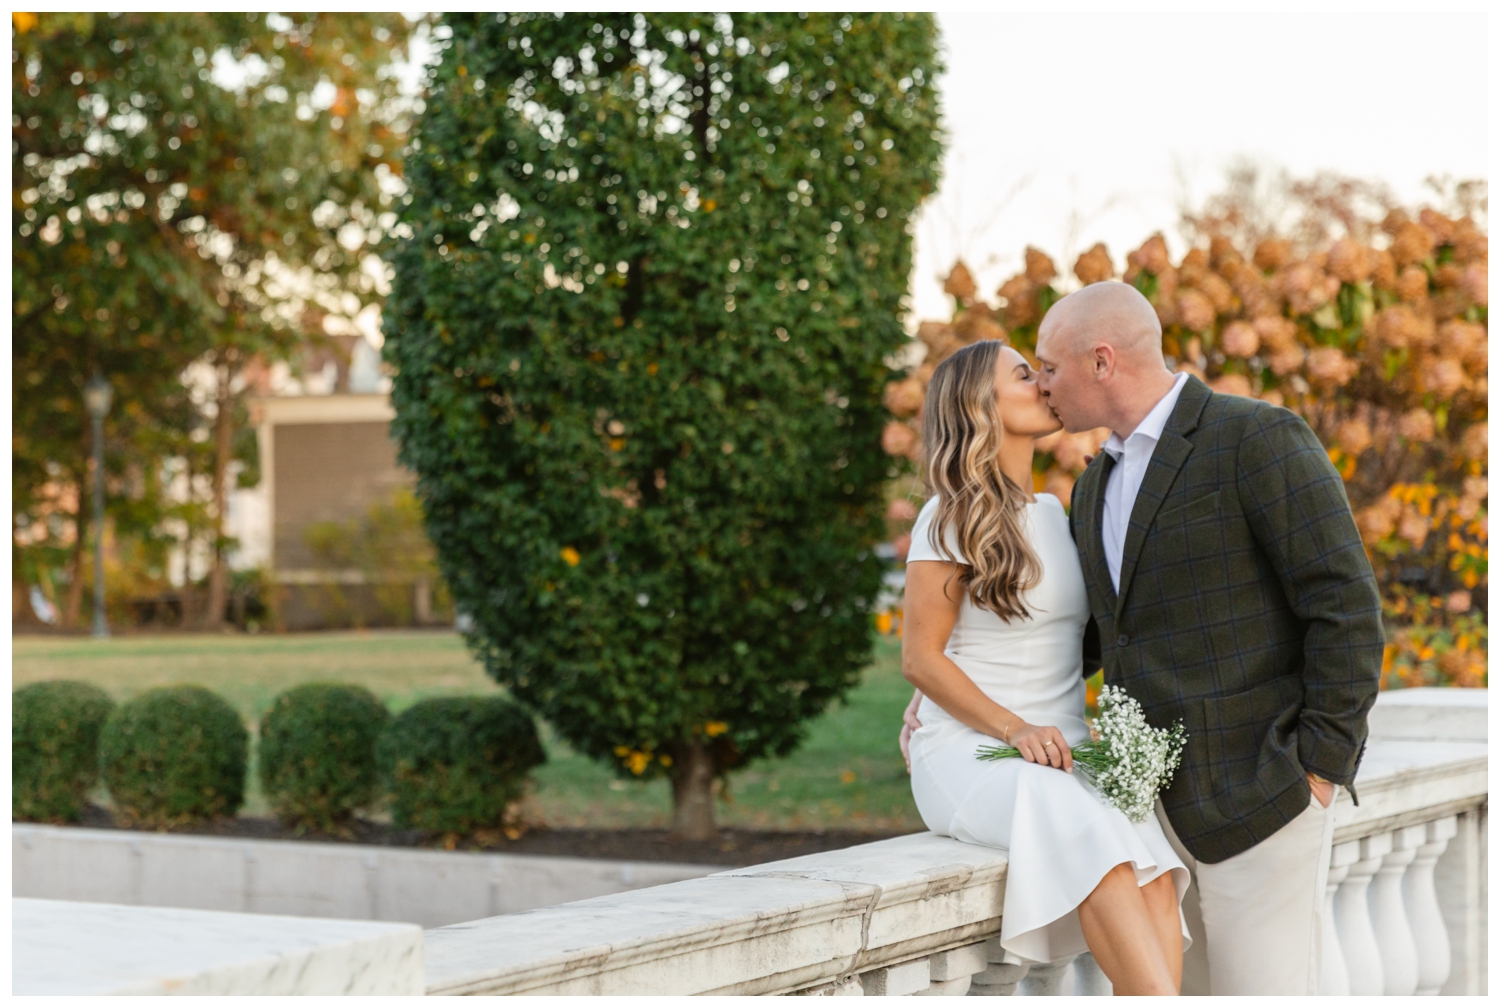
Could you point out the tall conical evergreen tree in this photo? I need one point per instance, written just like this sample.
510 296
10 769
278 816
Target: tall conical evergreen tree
655 269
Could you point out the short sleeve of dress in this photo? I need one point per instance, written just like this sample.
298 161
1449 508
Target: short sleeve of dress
922 544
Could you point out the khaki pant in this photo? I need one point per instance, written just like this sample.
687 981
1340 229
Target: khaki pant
1256 918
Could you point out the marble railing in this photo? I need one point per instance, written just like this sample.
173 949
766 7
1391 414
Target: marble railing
920 914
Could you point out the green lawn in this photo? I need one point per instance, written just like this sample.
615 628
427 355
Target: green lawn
847 775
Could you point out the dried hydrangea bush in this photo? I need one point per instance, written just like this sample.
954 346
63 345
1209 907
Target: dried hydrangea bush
1373 328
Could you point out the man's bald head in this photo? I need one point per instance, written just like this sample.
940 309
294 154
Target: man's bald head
1111 312
1100 354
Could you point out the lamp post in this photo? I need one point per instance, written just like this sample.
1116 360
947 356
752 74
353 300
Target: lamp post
96 397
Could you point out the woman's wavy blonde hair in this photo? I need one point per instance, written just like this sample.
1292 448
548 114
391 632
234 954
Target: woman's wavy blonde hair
962 432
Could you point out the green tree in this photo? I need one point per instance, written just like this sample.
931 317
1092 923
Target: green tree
641 320
177 178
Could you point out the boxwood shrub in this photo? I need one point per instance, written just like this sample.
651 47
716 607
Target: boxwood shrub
453 764
54 744
317 753
174 755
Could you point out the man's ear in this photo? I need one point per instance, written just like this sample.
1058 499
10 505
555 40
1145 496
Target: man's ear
1103 361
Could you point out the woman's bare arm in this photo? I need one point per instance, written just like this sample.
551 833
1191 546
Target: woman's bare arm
933 600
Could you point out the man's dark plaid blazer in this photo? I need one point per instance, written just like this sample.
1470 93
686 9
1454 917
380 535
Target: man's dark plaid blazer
1247 608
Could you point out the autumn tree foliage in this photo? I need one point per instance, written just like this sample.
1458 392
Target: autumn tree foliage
175 178
1374 331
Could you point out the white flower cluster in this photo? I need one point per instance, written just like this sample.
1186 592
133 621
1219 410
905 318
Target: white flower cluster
1131 761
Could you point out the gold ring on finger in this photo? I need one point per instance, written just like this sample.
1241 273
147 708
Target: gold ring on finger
1047 743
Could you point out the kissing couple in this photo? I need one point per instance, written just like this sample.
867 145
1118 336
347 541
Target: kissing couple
1211 566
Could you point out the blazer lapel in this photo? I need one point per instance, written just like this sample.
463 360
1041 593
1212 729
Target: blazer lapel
1089 499
1171 452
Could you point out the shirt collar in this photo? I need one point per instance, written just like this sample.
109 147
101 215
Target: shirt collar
1155 421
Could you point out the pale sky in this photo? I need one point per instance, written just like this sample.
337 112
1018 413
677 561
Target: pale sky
1067 129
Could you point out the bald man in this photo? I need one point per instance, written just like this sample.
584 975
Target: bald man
1229 589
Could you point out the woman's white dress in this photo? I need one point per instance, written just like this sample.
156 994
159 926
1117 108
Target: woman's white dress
1061 837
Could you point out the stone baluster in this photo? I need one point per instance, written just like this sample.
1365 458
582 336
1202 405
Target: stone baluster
1351 909
1434 959
896 981
1088 979
953 971
1333 979
1046 979
1398 950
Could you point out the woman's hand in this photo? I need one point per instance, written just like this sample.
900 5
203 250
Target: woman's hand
909 724
1043 744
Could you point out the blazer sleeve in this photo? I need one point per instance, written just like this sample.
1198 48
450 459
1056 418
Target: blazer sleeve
1299 514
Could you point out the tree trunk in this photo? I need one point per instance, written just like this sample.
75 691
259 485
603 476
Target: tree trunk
218 578
693 793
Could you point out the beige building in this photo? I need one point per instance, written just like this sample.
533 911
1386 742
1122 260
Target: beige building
330 458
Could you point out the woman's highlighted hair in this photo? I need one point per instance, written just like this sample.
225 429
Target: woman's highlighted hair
962 432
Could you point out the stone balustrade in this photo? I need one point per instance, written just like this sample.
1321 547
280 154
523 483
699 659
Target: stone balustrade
920 914
1406 905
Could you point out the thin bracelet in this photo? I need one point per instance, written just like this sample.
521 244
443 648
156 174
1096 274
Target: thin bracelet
1005 736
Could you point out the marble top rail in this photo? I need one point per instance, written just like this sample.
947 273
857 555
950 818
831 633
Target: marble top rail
63 947
790 925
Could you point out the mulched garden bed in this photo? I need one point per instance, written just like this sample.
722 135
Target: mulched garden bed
733 848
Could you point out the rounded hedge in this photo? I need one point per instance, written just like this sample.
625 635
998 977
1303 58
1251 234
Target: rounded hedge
174 755
453 764
317 753
54 744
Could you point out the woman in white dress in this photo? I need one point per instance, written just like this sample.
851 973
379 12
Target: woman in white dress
992 639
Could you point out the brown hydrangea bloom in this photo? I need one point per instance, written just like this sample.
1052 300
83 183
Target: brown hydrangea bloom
941 340
1411 284
1039 268
1476 442
1441 228
1195 310
1350 261
904 398
1449 274
1273 253
1272 396
1379 519
1444 376
1414 527
899 439
1354 436
977 322
1094 266
1476 283
1276 332
960 283
1418 425
1218 292
1330 367
1398 326
1221 253
1285 360
1306 288
1239 339
1458 339
1383 269
1469 244
1232 384
1412 244
1021 307
1152 256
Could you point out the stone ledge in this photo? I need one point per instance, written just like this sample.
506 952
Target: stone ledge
62 947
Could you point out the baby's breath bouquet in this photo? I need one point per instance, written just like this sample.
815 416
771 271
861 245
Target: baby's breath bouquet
1125 759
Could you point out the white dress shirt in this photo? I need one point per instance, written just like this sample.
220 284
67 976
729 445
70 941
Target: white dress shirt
1132 455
